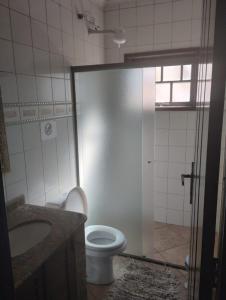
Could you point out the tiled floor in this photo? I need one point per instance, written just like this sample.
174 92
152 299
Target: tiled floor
171 243
96 292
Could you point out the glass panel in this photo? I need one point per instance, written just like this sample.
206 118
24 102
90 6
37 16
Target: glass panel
186 72
181 92
206 71
162 92
110 149
209 71
171 73
158 74
206 88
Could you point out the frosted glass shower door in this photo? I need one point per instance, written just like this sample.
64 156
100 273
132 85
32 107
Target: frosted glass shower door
109 119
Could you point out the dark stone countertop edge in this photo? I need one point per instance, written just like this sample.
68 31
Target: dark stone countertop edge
64 225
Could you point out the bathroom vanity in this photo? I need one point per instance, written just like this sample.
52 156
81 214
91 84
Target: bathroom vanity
54 268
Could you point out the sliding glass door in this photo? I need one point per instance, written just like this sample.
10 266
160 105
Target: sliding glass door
110 135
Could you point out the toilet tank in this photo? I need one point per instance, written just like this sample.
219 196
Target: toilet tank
76 201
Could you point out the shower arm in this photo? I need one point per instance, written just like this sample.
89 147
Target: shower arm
92 27
99 31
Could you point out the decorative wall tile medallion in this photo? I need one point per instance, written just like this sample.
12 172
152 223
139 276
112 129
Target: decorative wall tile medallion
48 130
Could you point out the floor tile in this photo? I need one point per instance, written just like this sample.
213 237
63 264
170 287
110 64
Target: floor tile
176 255
171 243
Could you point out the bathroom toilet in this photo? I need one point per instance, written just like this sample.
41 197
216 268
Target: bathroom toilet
102 242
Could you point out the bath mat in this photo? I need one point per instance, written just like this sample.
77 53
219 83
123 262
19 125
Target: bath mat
144 281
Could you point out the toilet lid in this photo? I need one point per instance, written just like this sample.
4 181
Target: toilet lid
103 237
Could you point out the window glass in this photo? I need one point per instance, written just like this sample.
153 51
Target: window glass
171 73
187 72
181 92
174 84
158 73
162 92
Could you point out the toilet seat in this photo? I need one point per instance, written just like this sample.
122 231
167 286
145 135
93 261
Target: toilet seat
103 238
102 242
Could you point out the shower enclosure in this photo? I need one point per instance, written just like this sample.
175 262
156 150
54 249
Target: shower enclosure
115 149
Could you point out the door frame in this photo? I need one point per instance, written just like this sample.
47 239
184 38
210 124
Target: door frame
207 270
221 255
6 274
214 137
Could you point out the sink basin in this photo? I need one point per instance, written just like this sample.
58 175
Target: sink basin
27 235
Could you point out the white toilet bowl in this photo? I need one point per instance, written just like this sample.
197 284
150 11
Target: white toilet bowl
102 242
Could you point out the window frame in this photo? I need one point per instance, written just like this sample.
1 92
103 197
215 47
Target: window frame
172 57
170 103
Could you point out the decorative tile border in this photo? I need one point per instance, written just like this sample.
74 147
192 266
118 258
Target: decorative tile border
28 113
38 111
46 111
60 110
11 114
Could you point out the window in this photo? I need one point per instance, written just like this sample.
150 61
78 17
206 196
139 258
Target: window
204 82
178 76
173 85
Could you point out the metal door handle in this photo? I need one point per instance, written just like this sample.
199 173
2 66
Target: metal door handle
190 176
183 176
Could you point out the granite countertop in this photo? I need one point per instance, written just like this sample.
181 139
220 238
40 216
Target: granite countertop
64 224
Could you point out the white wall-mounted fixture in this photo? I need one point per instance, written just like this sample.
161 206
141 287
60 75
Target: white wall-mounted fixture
118 34
48 130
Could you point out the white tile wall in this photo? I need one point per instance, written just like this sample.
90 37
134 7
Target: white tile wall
17 165
42 62
20 5
39 41
4 23
6 56
24 66
153 25
21 28
35 175
38 10
173 156
40 35
8 85
26 88
50 166
14 139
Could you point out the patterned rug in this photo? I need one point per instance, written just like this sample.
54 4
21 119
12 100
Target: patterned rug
142 281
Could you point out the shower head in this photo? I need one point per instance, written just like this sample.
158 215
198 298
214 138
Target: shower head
118 38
